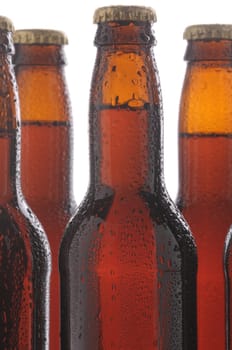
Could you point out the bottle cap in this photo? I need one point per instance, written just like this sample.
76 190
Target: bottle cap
6 24
124 13
208 32
40 36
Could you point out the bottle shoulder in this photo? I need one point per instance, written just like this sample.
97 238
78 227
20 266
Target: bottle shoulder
204 204
144 212
19 218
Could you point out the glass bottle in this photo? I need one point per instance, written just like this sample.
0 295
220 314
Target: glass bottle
205 172
24 250
46 156
127 260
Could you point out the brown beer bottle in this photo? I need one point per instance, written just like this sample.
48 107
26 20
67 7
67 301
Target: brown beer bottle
24 250
205 158
127 259
46 159
228 278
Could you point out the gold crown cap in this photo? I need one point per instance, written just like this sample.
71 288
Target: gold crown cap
40 36
124 13
6 24
208 32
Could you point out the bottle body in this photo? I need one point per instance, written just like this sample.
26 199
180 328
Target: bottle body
228 279
122 257
205 192
25 274
125 282
46 157
25 254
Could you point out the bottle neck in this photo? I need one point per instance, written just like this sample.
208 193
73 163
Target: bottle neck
47 127
205 124
208 50
205 168
125 113
39 54
42 84
9 133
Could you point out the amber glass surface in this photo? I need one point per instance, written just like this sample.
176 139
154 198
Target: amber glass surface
46 155
205 169
127 259
24 250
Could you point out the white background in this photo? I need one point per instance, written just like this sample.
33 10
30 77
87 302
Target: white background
74 17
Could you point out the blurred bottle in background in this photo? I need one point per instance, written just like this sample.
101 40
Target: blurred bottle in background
46 155
24 250
205 168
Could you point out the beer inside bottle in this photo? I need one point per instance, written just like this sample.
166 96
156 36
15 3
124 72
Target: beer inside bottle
24 251
127 259
46 152
205 158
